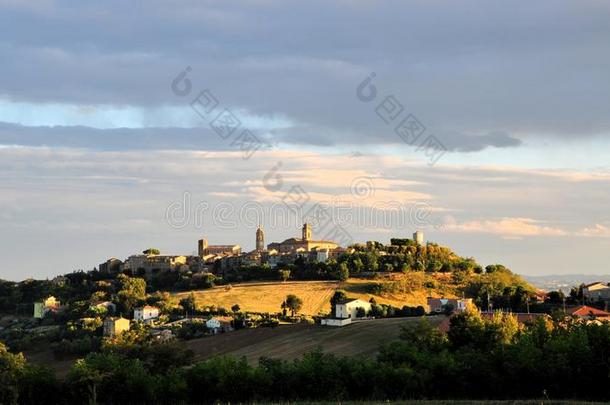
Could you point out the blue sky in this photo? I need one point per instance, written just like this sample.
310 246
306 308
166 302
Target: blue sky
95 145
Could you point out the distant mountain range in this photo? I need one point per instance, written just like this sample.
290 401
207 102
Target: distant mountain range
564 281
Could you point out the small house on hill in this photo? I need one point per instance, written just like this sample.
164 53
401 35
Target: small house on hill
50 304
351 307
114 326
219 324
588 313
348 310
146 313
439 305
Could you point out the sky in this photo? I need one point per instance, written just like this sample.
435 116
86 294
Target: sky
125 126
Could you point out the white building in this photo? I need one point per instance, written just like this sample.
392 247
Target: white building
596 291
349 308
145 313
418 237
219 324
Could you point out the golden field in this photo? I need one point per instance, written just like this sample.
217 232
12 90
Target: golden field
316 295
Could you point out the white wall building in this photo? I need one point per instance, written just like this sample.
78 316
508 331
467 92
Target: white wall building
146 313
418 237
349 308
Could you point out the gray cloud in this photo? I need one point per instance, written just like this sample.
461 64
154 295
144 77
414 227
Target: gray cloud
472 67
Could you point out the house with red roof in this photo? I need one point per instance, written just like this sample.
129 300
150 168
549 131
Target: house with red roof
588 313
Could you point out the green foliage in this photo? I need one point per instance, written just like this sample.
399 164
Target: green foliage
11 371
293 304
152 251
189 304
132 292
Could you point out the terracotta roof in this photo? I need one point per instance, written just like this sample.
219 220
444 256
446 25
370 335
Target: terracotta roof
584 310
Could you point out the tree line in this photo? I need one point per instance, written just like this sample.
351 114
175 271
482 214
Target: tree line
478 358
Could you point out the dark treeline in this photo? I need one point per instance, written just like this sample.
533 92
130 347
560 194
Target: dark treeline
477 359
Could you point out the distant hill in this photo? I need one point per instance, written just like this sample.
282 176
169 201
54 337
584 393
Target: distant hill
565 281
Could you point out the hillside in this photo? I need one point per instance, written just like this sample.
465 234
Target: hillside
316 295
292 341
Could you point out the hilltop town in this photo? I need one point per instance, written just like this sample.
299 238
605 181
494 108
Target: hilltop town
224 301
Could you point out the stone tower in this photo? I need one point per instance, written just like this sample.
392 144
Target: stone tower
260 239
306 232
202 247
418 237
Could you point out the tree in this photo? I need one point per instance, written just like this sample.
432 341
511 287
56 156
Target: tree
132 291
152 251
189 303
337 297
293 303
342 272
235 308
11 370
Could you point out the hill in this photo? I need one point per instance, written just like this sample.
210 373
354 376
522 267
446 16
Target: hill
292 341
316 295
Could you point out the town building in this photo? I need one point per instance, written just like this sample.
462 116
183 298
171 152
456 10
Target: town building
148 265
42 308
418 237
596 291
146 313
303 244
260 239
114 326
111 266
439 305
204 249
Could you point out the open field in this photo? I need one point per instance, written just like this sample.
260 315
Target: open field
268 296
290 342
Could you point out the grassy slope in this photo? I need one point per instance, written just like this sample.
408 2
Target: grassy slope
268 296
290 342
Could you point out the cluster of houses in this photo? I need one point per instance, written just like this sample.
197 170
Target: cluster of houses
148 314
218 258
355 309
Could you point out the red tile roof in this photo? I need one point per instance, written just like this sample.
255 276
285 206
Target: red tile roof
584 310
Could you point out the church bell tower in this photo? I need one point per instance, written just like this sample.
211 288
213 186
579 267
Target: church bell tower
260 239
306 232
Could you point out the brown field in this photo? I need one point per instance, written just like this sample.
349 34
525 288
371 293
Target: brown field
292 341
268 296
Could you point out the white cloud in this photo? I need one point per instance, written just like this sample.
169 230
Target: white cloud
596 231
505 227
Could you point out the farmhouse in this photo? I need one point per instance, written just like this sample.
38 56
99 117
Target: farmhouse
346 311
219 324
441 304
351 308
114 326
146 313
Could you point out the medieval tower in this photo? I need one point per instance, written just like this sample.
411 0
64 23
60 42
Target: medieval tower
306 232
260 239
